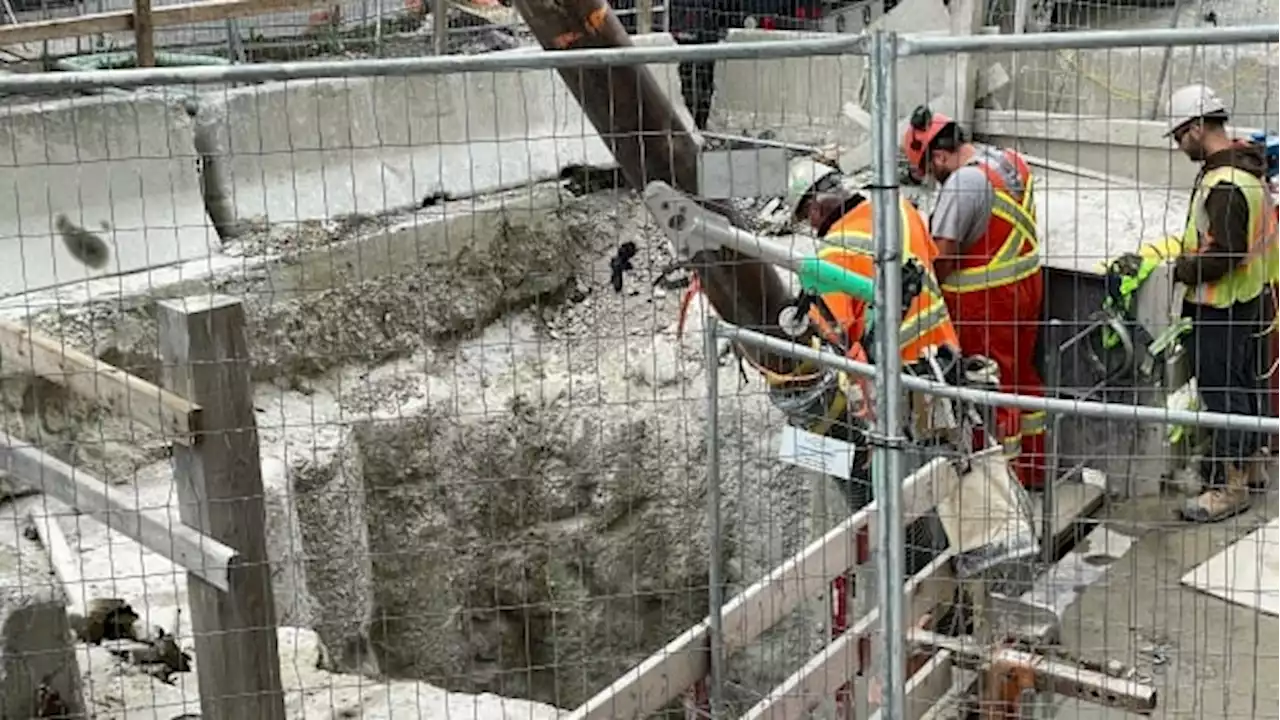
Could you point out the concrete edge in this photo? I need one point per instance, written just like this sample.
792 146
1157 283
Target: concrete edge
394 239
1094 130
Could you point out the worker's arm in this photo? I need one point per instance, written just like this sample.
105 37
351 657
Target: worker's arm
948 257
960 214
1228 216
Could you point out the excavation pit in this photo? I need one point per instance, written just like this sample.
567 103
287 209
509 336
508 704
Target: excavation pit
484 467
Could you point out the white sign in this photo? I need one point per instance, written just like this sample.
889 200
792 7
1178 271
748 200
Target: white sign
819 453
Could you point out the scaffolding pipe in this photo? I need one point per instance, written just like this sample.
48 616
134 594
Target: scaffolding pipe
1080 408
715 575
619 56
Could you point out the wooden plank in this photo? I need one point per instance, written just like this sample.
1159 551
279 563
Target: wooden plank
205 356
144 38
838 662
65 564
927 687
682 662
157 532
124 394
122 20
497 14
967 18
644 16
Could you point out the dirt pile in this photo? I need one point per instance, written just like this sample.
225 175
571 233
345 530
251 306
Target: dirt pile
537 551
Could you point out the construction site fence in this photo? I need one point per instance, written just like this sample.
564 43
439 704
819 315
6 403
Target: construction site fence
292 32
306 267
904 46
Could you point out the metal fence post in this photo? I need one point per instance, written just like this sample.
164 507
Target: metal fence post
887 462
715 576
219 480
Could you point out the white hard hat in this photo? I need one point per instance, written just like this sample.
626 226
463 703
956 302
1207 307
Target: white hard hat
1193 102
803 176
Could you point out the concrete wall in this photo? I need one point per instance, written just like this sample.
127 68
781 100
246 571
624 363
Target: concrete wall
1123 82
307 150
1136 149
802 98
127 167
124 168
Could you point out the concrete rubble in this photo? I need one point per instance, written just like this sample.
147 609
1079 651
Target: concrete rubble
39 669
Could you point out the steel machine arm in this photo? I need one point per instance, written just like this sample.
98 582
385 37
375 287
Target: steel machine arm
693 229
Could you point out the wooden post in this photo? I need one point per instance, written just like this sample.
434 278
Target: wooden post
144 35
440 27
644 17
219 480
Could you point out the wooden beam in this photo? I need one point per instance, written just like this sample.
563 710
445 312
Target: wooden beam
838 662
124 394
144 36
122 20
927 687
682 662
156 531
205 356
967 18
65 563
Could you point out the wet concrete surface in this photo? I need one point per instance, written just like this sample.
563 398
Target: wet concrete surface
1208 658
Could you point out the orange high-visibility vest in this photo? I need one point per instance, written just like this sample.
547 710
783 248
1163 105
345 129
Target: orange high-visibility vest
1009 250
851 246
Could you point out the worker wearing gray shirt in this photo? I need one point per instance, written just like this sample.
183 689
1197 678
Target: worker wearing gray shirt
984 226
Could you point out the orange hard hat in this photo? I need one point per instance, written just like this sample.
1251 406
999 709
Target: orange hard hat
923 127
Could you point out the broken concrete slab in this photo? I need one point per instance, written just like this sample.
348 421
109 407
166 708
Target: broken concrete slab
35 636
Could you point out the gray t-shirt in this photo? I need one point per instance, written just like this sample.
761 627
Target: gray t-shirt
962 206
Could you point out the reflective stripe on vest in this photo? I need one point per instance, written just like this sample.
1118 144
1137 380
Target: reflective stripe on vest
1033 423
932 315
1019 255
1248 279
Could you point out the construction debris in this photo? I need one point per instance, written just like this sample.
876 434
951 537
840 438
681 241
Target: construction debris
107 619
159 656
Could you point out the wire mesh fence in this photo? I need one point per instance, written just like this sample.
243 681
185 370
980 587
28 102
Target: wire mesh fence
447 342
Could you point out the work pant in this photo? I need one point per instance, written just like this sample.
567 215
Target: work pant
697 84
1223 350
1003 324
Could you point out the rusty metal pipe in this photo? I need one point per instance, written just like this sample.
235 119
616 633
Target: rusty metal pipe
640 127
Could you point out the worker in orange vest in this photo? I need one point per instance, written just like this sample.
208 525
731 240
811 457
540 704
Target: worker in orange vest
820 196
984 227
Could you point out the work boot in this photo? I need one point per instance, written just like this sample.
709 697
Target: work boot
1220 502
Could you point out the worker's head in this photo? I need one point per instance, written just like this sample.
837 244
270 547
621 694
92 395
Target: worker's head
817 191
1197 121
932 144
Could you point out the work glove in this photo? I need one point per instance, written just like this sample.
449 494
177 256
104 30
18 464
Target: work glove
1127 265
